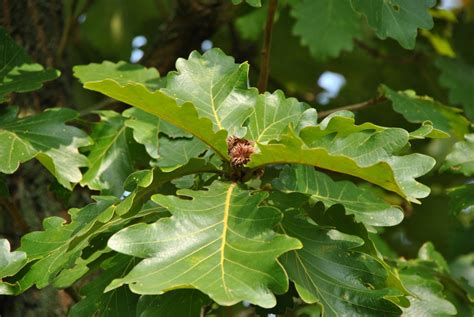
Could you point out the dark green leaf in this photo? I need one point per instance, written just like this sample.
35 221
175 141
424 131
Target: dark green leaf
428 299
328 271
458 77
362 203
327 26
461 199
118 302
46 137
175 153
178 303
147 127
111 158
17 71
398 19
227 248
418 109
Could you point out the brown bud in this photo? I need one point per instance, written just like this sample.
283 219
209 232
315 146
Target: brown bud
239 151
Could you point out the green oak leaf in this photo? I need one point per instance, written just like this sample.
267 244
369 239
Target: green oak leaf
217 87
327 26
461 158
46 137
398 19
328 271
428 299
418 109
51 249
250 26
253 3
175 153
121 72
461 199
17 72
227 248
458 77
164 107
147 127
111 157
119 302
10 262
362 203
177 303
273 114
366 151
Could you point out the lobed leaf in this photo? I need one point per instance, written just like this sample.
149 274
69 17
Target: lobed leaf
362 203
328 270
17 72
46 137
119 302
330 145
147 127
327 27
227 248
10 264
418 109
458 77
177 303
121 72
111 157
217 87
461 158
273 115
398 19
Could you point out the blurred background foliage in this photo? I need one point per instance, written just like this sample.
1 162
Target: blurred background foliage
60 34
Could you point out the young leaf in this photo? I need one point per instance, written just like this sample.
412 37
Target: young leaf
458 77
418 109
398 19
227 248
326 26
363 204
272 116
327 271
177 303
46 137
461 158
119 302
17 71
216 86
110 157
331 145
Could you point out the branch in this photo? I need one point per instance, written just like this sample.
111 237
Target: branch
354 107
267 41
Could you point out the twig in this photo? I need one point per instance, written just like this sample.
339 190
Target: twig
67 28
356 106
267 41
